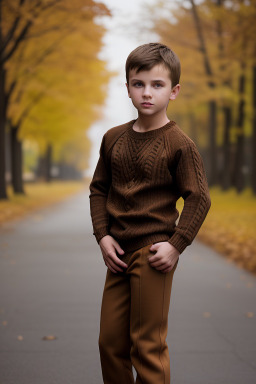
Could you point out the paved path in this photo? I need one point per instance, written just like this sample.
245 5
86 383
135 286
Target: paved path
51 281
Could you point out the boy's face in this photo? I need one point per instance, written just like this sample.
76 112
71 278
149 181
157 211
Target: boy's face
151 90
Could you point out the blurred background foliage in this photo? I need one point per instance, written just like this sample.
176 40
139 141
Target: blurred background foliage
52 86
215 41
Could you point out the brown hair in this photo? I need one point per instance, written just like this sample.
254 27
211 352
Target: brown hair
146 56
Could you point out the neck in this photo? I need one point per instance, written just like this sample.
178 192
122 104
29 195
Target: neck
148 123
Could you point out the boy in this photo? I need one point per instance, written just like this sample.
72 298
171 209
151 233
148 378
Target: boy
144 167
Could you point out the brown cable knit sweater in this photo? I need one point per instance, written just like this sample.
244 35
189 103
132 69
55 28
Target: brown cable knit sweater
137 181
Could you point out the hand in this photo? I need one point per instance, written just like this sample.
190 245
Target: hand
165 258
109 246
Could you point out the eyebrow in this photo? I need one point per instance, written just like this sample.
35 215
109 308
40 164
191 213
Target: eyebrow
152 80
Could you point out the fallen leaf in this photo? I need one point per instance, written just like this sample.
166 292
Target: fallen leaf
4 322
207 314
250 314
49 337
20 338
228 285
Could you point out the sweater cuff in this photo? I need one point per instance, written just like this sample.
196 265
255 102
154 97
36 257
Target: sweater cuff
101 232
179 242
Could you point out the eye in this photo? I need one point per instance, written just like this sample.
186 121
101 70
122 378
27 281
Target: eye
138 84
158 85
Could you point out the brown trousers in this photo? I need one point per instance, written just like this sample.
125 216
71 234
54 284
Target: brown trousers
134 322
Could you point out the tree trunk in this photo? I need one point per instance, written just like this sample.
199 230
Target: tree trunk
40 168
212 103
3 194
238 172
225 176
48 163
225 173
253 177
16 162
193 128
212 143
44 165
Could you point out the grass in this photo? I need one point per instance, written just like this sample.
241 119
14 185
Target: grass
37 195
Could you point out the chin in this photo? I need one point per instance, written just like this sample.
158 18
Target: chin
146 111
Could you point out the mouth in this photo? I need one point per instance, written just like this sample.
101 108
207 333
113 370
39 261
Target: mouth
146 104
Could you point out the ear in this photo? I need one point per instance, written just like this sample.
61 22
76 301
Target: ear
175 91
127 86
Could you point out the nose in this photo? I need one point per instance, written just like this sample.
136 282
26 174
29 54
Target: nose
147 91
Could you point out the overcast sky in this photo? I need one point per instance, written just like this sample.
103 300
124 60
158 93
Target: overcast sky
119 41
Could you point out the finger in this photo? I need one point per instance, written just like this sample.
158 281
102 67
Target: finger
169 269
111 263
157 261
118 248
154 258
159 265
114 265
111 255
110 267
113 268
163 267
155 246
117 261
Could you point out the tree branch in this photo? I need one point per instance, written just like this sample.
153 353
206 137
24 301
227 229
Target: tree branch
10 34
17 42
51 4
202 45
30 106
10 91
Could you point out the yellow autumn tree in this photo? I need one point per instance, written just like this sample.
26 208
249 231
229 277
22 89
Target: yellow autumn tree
215 42
55 83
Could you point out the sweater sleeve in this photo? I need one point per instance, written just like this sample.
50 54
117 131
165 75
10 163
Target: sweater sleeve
192 184
99 188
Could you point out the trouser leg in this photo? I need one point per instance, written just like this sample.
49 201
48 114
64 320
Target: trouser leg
114 338
150 299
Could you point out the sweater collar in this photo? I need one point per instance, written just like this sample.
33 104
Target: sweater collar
148 134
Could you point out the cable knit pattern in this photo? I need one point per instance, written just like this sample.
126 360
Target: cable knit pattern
137 181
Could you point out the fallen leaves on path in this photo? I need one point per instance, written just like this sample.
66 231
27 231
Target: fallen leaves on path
230 227
38 195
